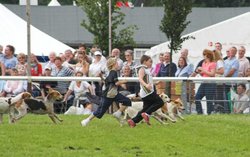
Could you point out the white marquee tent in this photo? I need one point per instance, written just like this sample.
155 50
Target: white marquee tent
13 31
232 32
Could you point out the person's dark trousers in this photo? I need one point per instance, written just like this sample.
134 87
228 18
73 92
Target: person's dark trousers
220 98
151 103
207 90
106 102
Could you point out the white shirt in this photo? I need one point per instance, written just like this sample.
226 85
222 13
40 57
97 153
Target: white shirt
81 90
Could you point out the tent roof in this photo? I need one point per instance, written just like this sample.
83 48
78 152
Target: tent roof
13 31
64 22
231 32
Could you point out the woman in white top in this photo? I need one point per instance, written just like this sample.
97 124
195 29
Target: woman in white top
220 88
80 88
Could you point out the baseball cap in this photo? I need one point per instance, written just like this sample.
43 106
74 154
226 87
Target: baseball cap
97 53
47 68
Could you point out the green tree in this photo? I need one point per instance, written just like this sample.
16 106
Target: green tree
174 22
98 24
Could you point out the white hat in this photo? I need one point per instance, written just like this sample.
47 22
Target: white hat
97 53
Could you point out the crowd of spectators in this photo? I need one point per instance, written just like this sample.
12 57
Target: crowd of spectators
93 64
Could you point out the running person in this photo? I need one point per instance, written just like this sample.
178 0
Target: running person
151 101
111 81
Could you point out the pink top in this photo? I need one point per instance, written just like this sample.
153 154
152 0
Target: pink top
157 69
208 67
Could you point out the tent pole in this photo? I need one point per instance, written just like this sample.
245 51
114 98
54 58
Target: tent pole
28 44
110 28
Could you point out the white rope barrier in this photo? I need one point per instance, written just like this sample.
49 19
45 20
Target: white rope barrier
131 79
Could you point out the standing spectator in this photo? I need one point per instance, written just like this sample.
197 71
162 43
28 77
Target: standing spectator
243 62
9 60
231 69
184 53
82 64
70 59
1 51
206 89
167 69
21 65
183 68
242 101
96 68
51 62
61 71
151 101
158 65
83 47
130 62
116 53
111 82
218 47
220 88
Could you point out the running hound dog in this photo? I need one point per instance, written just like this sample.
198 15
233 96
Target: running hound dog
174 109
160 114
7 104
38 106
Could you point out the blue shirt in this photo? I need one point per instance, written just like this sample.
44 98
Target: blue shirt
232 63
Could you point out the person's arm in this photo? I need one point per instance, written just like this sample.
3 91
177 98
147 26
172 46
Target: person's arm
230 73
67 95
3 69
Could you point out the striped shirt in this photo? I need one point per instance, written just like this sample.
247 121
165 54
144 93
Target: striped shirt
62 86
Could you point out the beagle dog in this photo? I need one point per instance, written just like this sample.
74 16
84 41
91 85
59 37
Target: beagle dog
173 109
7 105
38 106
159 114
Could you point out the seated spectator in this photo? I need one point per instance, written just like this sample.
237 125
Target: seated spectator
128 87
35 67
242 101
21 65
80 88
61 71
46 85
9 60
13 87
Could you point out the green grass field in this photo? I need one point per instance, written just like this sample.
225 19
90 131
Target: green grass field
198 136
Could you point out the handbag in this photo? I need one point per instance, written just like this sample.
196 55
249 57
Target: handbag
112 92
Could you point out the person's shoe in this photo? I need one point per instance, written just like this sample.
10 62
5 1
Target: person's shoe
84 122
131 123
145 116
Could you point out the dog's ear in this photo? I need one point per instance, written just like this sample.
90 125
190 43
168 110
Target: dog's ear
50 90
50 95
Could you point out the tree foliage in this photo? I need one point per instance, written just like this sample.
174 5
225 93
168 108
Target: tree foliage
174 21
98 24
